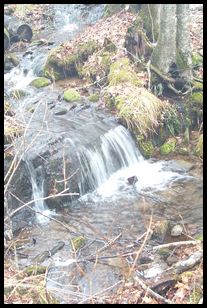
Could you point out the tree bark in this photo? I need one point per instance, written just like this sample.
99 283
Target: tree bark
150 14
184 61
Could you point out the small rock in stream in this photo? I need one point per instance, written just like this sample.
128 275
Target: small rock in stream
132 180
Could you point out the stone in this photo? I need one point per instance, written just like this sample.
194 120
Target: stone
132 180
171 260
71 95
40 82
176 230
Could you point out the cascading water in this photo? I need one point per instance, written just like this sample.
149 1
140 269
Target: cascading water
114 150
37 181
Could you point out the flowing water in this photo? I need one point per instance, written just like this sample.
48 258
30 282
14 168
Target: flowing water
108 205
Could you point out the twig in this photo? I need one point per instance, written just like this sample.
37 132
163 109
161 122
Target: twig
62 194
98 293
141 248
151 292
175 244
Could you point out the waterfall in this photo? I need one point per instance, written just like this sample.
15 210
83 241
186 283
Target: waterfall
115 150
37 181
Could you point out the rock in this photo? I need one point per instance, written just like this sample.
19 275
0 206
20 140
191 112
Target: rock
160 229
171 260
40 82
93 97
176 230
132 180
71 95
60 111
168 147
10 61
78 242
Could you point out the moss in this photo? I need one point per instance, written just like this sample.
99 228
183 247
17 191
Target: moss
168 147
35 270
199 237
62 63
120 72
40 82
183 151
71 95
119 102
181 60
195 296
147 148
165 252
11 57
197 98
197 59
198 85
199 146
93 97
78 242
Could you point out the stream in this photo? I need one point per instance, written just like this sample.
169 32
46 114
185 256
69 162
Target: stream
108 204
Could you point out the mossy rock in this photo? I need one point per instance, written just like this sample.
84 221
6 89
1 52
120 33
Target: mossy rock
164 252
11 57
199 146
198 85
197 59
35 270
40 82
71 95
93 97
168 147
183 151
160 229
147 148
79 242
63 62
197 97
18 94
121 72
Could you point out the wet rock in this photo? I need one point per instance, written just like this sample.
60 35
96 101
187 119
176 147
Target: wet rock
176 230
171 260
160 230
71 95
132 180
40 82
60 111
10 61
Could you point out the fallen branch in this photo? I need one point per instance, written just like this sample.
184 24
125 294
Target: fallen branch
176 244
184 265
151 292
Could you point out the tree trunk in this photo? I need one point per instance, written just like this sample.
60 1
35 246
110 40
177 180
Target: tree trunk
150 14
183 60
164 54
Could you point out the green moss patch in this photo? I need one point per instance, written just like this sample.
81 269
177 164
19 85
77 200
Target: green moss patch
40 82
64 60
79 242
71 95
197 97
93 98
120 72
168 147
147 148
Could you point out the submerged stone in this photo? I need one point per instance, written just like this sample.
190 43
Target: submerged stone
71 95
40 82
